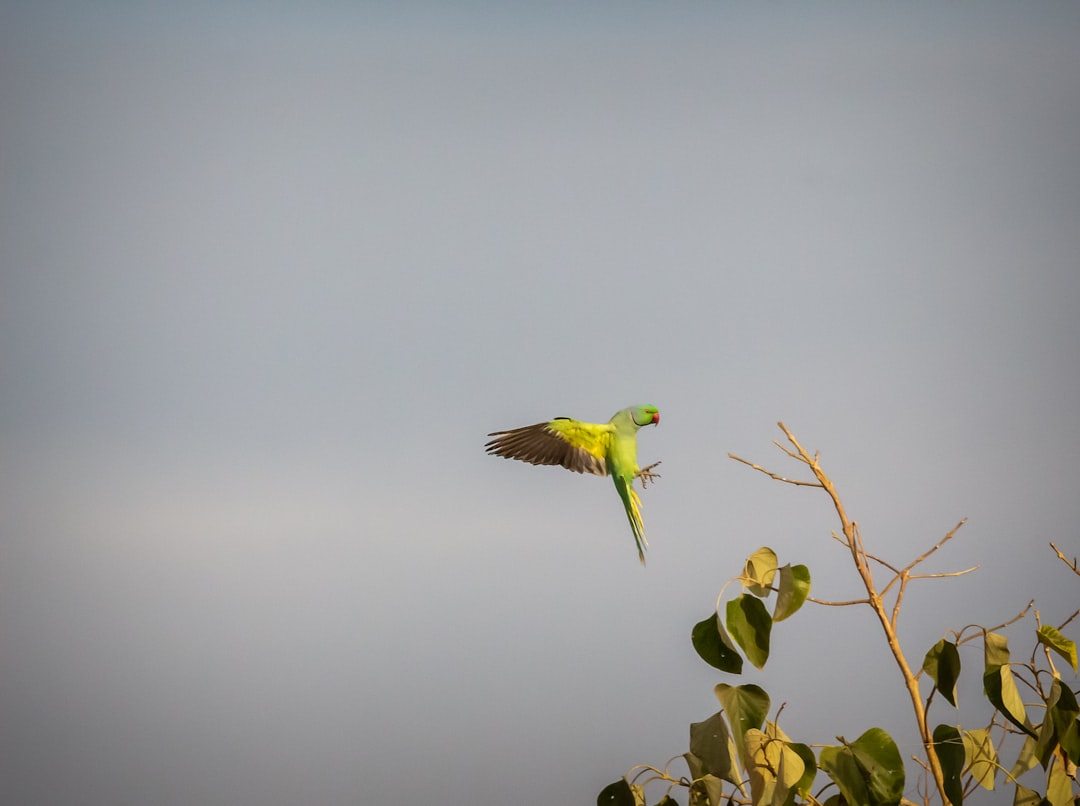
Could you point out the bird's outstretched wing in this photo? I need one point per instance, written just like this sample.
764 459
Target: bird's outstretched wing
575 445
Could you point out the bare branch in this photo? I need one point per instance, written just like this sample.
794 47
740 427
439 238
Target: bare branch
1034 688
944 574
881 562
1014 619
937 545
854 543
858 538
841 540
903 577
790 453
1073 565
780 710
1065 623
772 475
981 631
837 604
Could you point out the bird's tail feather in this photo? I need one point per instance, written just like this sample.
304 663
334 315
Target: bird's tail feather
633 513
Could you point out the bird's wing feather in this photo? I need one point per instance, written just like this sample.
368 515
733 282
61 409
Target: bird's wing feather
575 445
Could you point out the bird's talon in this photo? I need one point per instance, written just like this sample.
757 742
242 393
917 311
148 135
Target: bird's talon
646 475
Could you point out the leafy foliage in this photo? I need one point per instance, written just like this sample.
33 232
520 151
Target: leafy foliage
714 646
713 749
942 663
1050 637
751 626
794 588
869 770
950 748
739 756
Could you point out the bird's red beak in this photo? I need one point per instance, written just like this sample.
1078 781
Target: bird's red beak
656 419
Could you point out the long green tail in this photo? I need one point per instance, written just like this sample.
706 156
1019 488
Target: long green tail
632 504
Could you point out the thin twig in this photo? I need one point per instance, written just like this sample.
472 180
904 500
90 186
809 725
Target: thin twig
841 540
945 574
837 604
1065 623
904 579
939 544
1074 565
981 631
900 574
1014 619
903 574
881 562
780 710
772 475
790 453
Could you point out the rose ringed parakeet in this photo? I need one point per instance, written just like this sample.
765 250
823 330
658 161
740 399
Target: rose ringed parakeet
599 448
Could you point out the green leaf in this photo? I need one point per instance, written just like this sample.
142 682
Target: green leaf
980 757
794 588
809 767
995 650
1046 742
1000 688
761 765
879 757
942 663
1059 785
869 771
750 624
774 768
746 707
714 646
711 743
693 764
1063 711
790 774
839 763
621 793
1059 643
759 571
1027 797
999 685
950 751
706 790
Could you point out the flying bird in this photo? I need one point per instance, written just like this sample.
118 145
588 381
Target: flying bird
599 448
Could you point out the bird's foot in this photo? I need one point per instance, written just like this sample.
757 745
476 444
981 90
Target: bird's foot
646 475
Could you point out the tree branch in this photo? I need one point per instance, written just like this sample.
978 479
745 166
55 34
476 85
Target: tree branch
1073 565
980 631
939 544
837 604
772 475
854 543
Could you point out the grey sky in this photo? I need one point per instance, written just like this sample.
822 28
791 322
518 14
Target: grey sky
269 273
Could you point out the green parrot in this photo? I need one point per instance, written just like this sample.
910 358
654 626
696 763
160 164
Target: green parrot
600 449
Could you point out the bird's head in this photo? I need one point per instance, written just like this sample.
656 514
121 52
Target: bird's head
645 415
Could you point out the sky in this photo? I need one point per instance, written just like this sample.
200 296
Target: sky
271 272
